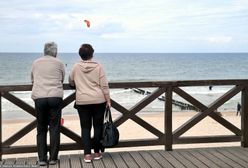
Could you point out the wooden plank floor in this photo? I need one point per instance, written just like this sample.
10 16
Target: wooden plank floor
226 157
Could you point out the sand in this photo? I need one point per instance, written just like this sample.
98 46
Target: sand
131 130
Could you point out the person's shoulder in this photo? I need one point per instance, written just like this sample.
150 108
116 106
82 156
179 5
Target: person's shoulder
76 65
56 60
59 61
97 63
100 65
38 60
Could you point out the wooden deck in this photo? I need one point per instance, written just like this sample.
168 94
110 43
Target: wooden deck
227 157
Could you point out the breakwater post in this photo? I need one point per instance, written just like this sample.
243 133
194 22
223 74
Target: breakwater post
182 105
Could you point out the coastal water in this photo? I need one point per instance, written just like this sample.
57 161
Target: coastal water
15 69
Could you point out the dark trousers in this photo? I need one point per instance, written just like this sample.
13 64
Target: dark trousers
87 114
48 112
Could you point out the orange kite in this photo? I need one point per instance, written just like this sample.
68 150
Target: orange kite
87 23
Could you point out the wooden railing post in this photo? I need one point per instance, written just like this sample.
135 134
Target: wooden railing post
168 119
1 126
244 117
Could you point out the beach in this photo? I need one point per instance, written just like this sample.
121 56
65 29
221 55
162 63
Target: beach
131 130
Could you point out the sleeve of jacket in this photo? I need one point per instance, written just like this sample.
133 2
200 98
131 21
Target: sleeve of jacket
63 72
104 84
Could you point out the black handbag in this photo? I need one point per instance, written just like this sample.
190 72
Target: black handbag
110 134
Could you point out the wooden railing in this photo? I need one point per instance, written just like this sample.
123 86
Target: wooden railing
166 138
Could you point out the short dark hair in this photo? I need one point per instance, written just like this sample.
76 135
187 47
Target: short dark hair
86 51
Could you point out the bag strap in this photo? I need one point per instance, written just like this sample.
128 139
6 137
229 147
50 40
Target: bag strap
108 116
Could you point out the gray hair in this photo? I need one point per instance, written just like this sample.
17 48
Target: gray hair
50 48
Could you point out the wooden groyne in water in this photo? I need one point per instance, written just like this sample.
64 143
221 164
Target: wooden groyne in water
181 105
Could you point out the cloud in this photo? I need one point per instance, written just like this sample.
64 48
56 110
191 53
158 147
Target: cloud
164 20
219 40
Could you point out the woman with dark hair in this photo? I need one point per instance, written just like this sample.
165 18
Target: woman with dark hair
47 76
92 97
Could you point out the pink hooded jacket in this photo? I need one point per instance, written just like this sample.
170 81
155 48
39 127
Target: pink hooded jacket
91 83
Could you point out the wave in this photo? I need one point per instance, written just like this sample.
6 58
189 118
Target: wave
204 90
120 91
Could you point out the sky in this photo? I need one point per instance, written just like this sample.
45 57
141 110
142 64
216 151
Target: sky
125 26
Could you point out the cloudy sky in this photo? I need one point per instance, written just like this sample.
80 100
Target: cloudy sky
125 25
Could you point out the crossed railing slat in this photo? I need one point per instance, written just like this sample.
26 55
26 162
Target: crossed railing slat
207 111
26 107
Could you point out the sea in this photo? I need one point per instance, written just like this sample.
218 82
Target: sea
15 69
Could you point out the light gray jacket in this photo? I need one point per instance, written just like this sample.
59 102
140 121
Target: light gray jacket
47 76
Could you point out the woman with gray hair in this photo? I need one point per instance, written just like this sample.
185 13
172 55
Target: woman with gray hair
47 76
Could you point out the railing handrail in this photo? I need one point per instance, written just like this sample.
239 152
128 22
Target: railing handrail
141 84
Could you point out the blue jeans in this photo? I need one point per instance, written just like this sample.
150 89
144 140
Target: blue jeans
87 114
48 113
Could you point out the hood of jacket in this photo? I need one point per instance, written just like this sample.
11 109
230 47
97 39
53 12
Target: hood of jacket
88 66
